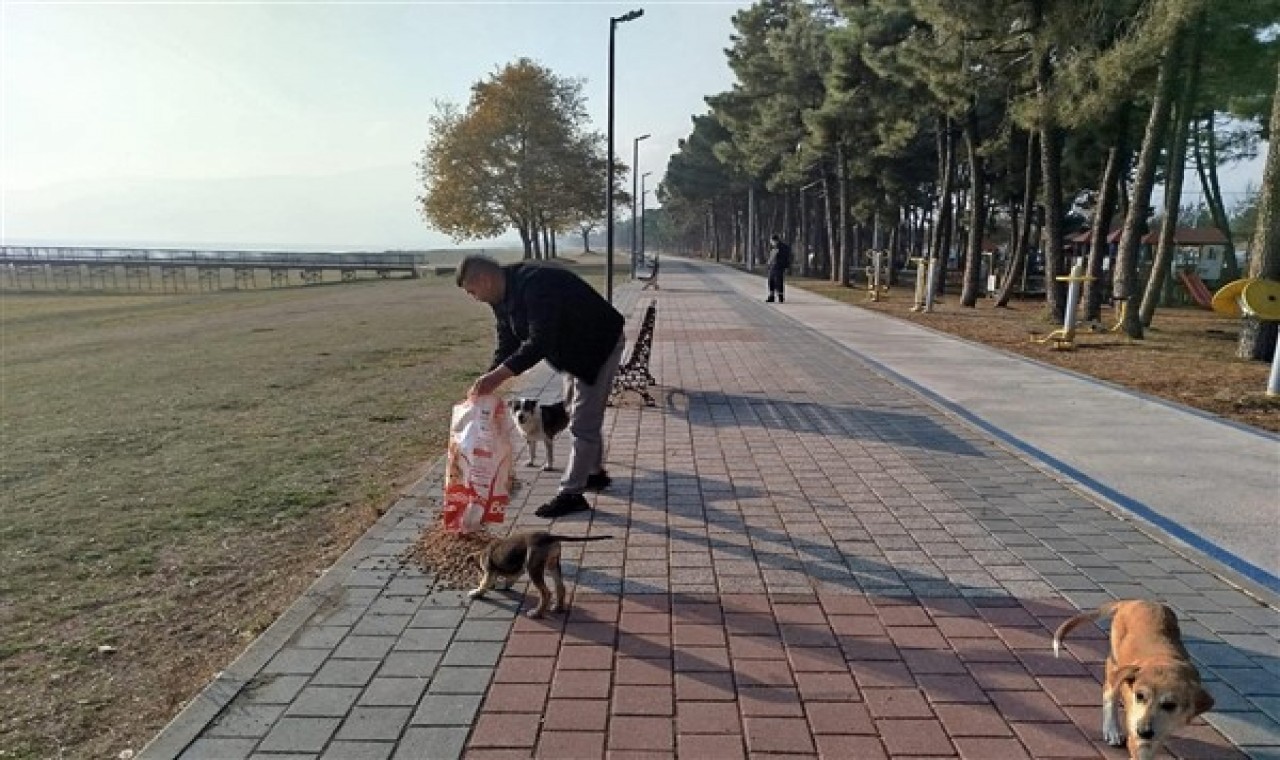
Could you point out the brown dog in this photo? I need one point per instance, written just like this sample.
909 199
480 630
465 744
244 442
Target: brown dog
1149 669
535 552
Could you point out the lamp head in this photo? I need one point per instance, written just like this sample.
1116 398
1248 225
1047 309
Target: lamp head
628 16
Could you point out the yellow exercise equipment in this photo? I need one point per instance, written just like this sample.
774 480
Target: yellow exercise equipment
1257 298
1064 339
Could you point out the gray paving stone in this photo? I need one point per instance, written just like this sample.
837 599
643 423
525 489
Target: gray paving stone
397 605
424 639
447 710
296 661
438 617
299 735
1246 728
364 647
345 673
324 701
483 630
320 637
387 692
460 681
245 720
1268 705
409 665
432 743
273 689
1251 682
374 724
343 750
213 748
381 625
474 653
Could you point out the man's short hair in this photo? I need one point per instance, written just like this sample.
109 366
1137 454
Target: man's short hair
474 263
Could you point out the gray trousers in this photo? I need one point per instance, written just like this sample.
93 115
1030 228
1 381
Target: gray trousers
586 403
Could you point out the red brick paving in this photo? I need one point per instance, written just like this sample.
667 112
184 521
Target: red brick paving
829 676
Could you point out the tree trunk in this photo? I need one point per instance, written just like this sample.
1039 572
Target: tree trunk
1054 211
1258 339
842 217
977 212
831 230
943 223
1117 159
1126 285
1176 165
1019 257
801 248
1208 171
523 229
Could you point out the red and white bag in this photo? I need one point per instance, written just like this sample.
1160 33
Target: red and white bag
477 483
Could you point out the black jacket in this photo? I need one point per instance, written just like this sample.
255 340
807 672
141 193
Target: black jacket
780 258
548 312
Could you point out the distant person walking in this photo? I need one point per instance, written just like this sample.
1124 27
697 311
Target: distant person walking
544 311
779 264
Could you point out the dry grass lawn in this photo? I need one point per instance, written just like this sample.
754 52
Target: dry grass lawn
177 469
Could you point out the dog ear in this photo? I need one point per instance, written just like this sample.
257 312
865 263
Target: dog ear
1203 702
1127 675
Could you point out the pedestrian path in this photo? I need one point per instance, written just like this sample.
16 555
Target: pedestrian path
818 552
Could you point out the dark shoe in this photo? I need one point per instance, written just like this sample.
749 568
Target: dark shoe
781 299
598 481
769 299
563 504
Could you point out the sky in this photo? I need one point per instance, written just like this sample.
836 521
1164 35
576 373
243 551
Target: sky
295 124
299 124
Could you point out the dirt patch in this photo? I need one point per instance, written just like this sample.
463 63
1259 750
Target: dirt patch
1187 356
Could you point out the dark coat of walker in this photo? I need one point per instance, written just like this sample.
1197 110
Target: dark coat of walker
549 312
779 264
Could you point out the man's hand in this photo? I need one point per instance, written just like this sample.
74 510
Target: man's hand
490 381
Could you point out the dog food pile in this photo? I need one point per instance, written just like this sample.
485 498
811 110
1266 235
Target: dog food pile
449 556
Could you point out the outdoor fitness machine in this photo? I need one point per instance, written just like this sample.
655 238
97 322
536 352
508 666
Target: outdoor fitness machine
1065 338
1259 299
926 272
878 274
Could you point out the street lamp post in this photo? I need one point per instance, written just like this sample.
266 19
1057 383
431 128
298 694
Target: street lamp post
608 222
635 171
642 194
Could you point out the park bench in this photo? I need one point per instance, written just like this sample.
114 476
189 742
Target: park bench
634 374
650 280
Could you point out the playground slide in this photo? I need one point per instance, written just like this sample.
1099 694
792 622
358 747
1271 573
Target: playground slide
1196 287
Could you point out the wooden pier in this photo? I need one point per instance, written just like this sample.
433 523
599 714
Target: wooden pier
176 270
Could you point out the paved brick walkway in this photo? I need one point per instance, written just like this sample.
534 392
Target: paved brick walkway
809 560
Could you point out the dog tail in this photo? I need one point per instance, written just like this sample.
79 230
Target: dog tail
579 539
1105 610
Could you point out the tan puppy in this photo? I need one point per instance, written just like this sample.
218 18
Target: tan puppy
535 552
1149 669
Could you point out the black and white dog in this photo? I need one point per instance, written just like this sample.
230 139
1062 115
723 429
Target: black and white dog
540 422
